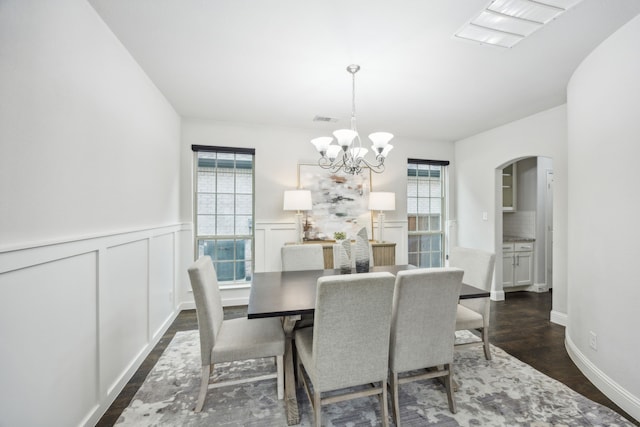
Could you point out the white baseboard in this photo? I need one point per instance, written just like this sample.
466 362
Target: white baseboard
619 395
189 305
538 288
227 302
232 302
559 318
497 295
99 410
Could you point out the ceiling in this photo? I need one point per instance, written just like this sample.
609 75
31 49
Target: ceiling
282 62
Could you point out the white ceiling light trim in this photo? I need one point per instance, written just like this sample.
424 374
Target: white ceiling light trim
505 23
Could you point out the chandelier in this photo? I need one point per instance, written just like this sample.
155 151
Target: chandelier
345 155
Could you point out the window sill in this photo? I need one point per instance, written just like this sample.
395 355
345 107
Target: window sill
240 285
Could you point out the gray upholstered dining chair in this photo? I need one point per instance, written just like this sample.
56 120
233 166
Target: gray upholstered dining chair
302 257
423 328
349 343
234 339
473 314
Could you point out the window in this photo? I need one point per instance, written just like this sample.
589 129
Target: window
224 207
426 212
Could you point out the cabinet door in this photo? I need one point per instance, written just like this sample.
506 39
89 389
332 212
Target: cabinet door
523 269
384 253
508 261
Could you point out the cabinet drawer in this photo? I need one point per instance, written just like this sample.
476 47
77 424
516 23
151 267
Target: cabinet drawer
507 247
523 247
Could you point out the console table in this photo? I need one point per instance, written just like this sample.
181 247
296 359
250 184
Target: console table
383 253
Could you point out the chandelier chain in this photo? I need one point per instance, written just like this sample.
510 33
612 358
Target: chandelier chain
353 100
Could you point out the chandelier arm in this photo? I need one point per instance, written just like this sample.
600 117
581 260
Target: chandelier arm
358 138
323 165
377 168
335 167
338 164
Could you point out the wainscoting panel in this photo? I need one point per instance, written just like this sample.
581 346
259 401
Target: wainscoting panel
48 368
123 309
270 237
396 232
184 258
260 243
161 282
79 317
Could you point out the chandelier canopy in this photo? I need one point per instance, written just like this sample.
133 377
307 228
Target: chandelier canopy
344 154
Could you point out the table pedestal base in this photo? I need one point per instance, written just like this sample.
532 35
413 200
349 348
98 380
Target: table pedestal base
290 399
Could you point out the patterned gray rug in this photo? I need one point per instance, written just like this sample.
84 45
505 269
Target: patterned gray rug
500 392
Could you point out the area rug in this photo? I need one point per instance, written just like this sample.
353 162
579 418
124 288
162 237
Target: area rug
500 392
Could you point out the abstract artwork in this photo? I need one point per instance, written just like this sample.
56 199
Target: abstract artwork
340 202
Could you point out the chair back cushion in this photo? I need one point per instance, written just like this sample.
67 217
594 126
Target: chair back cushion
478 269
424 318
302 257
351 329
206 294
477 265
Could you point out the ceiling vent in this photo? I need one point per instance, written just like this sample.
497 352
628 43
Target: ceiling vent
505 23
324 119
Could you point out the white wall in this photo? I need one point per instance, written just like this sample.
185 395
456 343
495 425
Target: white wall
604 135
278 152
89 214
478 183
544 165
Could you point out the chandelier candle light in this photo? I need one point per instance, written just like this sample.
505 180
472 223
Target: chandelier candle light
345 156
382 201
297 200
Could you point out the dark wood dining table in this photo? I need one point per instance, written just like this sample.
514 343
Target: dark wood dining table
290 294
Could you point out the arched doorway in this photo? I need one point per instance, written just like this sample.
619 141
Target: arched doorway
524 225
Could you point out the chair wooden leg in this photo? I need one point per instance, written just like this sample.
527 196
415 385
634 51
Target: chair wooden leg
298 373
485 340
449 386
395 399
317 408
383 402
280 376
204 386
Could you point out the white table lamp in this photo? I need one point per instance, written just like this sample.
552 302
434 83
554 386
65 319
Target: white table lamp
381 201
297 200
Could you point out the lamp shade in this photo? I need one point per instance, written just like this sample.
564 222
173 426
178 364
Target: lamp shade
382 201
297 200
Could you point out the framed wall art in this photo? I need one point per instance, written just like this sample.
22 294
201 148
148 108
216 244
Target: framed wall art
340 202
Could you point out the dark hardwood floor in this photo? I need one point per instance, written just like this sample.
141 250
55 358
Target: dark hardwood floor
519 325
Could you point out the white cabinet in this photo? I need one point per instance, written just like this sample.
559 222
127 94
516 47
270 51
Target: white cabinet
508 265
517 264
509 186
